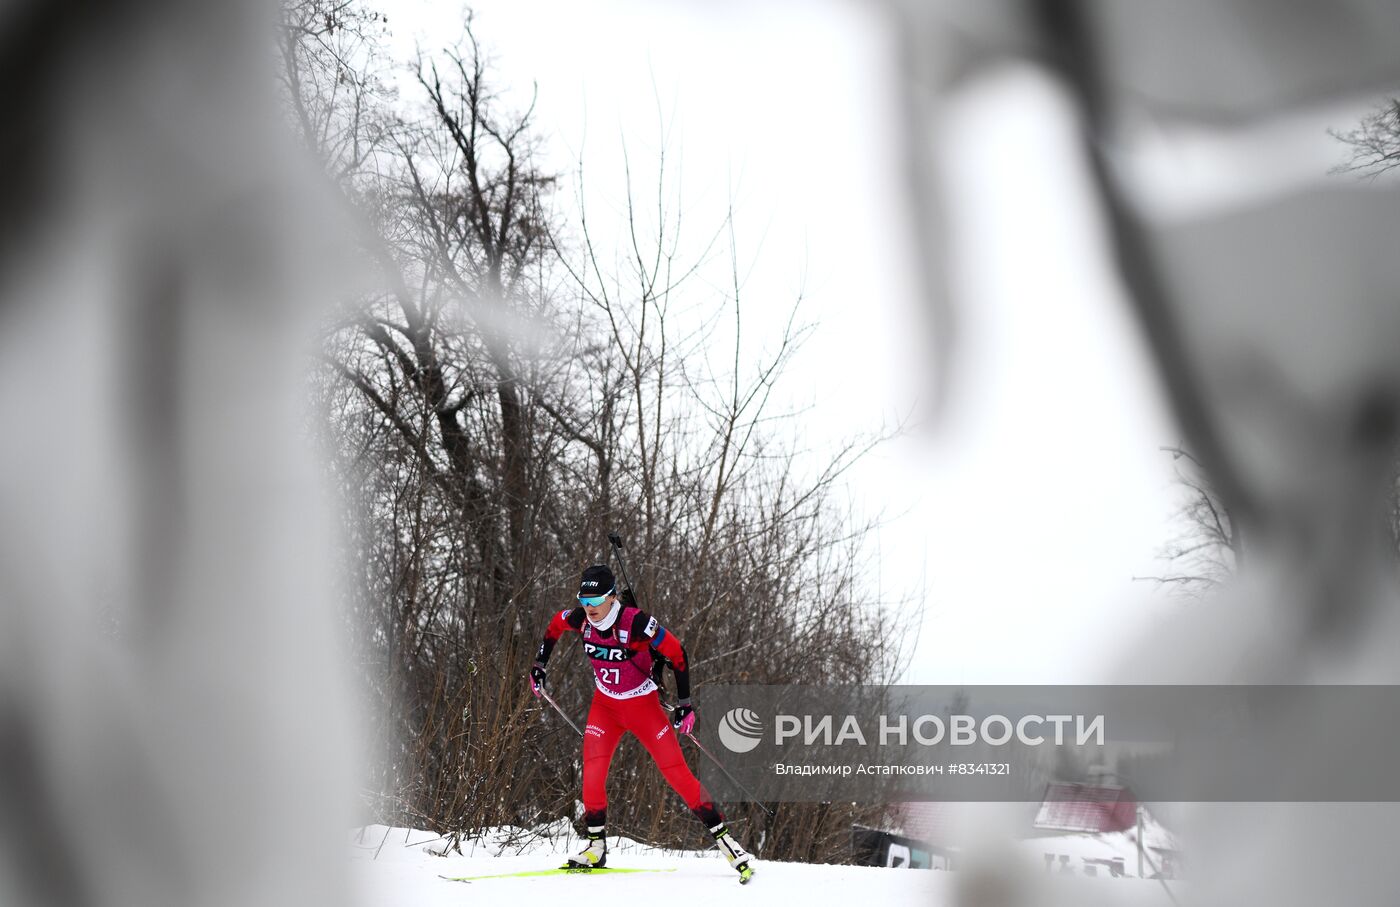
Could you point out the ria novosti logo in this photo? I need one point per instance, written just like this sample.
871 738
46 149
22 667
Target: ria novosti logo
740 730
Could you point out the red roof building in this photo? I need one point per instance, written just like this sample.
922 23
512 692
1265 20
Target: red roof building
1087 808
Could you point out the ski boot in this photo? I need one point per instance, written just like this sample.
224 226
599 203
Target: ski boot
594 856
734 852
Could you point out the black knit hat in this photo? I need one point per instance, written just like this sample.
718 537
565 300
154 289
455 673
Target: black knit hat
597 580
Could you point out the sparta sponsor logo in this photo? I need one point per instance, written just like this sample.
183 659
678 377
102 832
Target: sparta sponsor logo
606 653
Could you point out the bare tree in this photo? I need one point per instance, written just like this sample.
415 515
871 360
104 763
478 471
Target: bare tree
732 527
1374 142
1207 549
333 78
513 389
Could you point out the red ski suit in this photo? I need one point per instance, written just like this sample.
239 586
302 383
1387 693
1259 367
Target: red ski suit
626 701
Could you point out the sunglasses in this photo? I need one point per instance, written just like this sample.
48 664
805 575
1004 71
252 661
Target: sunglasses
593 601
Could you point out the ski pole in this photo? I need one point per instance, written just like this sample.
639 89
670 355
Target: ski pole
550 699
617 543
733 780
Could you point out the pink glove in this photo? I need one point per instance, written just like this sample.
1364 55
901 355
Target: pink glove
683 718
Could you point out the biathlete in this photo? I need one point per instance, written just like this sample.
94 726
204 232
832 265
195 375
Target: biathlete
624 644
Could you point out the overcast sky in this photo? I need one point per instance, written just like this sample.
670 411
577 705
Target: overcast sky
1026 513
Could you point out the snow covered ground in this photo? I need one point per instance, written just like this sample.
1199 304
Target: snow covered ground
402 868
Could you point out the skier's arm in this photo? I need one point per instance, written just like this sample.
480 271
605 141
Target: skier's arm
668 647
562 622
672 650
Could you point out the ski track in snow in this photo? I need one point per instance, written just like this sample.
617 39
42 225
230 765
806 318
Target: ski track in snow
406 873
696 880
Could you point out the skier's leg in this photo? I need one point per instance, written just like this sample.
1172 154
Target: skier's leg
651 726
600 738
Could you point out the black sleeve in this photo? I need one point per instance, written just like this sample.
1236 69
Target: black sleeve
682 677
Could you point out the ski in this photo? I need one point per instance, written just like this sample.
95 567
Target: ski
536 873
